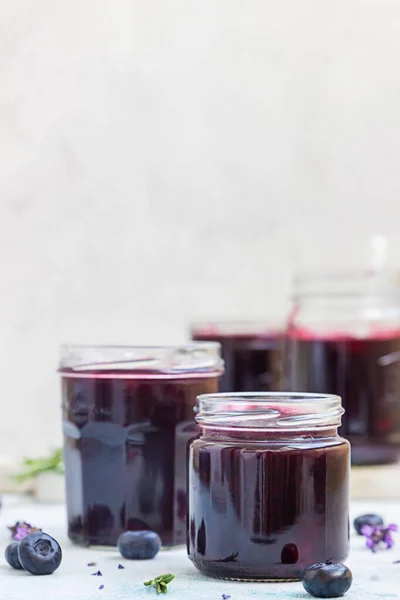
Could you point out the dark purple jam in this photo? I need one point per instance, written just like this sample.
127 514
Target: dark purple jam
253 359
260 508
125 445
365 372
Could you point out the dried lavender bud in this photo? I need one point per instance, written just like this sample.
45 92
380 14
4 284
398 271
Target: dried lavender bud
21 529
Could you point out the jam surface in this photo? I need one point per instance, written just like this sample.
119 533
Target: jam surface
365 372
267 509
125 448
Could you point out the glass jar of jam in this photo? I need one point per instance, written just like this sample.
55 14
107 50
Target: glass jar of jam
344 338
268 485
127 419
252 352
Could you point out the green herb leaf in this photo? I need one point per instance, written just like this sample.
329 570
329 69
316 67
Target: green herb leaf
32 467
160 583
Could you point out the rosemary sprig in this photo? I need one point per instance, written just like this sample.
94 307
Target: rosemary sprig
160 583
32 467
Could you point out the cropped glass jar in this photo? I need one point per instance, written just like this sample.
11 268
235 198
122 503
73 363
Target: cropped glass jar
344 338
268 485
252 352
127 420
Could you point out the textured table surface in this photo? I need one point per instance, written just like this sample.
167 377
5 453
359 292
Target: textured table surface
375 575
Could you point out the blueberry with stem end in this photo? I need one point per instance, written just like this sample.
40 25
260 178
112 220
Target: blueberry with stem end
327 580
11 555
370 519
39 553
139 545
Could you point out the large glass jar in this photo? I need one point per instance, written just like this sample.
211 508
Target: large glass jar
127 419
268 485
252 353
344 338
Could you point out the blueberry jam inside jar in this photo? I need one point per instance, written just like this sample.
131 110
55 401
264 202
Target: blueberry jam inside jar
344 338
252 352
268 485
127 421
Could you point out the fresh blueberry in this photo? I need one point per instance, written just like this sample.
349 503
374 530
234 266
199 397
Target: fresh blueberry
373 520
11 555
39 553
327 580
139 544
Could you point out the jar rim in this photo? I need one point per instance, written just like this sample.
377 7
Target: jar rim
288 396
192 358
346 282
269 410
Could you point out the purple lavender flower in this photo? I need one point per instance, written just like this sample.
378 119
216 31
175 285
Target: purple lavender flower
377 534
225 597
21 529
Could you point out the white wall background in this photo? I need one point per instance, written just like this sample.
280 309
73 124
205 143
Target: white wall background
162 160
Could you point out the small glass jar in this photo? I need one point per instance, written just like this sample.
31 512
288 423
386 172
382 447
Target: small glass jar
344 338
127 419
268 485
252 353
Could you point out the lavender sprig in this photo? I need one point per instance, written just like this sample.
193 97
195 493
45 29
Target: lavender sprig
160 583
378 534
21 529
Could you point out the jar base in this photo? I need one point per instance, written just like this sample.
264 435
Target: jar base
108 545
269 580
220 571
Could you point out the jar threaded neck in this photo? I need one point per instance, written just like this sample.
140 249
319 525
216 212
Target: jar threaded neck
269 411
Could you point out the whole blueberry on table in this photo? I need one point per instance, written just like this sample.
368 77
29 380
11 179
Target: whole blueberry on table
39 553
138 545
327 580
11 555
372 520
